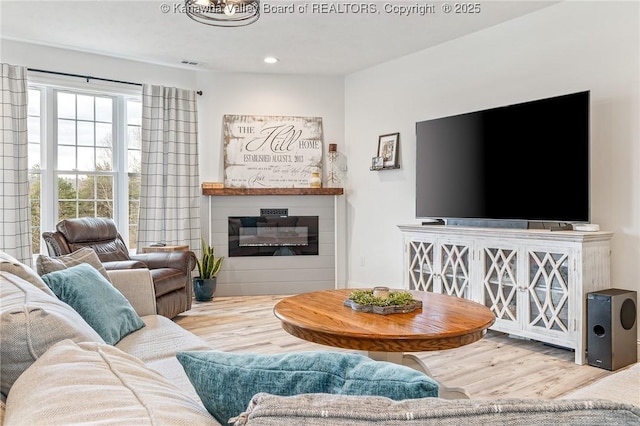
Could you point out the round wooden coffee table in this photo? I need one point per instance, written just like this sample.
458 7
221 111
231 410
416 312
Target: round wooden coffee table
443 322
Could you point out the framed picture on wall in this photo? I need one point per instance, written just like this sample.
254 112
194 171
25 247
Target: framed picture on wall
388 149
266 151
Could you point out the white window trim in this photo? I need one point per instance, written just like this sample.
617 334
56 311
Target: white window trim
48 84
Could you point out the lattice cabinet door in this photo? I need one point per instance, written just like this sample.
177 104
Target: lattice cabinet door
534 281
500 284
421 266
454 269
548 292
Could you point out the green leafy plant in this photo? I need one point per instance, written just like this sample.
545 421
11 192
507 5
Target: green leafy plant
366 297
208 265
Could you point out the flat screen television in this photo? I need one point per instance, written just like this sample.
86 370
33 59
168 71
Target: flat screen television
523 162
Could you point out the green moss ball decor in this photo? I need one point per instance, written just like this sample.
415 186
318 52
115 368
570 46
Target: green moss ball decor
396 302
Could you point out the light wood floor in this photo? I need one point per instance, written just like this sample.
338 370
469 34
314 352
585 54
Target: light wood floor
496 366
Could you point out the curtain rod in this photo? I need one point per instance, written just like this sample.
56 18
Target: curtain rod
88 77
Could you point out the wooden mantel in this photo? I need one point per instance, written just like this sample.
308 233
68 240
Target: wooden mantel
272 191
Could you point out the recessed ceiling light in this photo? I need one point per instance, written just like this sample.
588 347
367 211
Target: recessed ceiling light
270 60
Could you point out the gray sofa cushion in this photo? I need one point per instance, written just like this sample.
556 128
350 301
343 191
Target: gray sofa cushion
328 410
46 264
94 383
31 321
11 265
160 339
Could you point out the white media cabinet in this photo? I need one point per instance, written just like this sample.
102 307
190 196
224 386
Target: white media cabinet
535 281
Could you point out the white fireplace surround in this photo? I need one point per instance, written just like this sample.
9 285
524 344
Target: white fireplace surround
262 275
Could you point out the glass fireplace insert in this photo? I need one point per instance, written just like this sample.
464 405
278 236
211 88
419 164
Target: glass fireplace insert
273 235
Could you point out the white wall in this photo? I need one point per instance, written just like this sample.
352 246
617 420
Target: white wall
262 94
75 62
569 47
223 93
564 48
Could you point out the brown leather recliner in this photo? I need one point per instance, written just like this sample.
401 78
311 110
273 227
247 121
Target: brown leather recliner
171 271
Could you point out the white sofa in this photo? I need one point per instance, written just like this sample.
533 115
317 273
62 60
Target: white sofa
68 375
140 381
622 386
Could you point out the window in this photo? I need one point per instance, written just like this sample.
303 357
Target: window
84 159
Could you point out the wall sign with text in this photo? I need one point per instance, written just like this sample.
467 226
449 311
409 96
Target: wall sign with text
271 151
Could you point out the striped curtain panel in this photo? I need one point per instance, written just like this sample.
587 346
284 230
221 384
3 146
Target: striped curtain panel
15 215
170 185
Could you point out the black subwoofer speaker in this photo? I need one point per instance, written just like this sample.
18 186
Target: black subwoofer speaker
612 328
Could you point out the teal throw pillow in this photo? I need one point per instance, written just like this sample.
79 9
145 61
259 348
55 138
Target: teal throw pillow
226 382
101 305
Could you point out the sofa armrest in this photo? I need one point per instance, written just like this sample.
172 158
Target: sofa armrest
137 286
615 387
123 264
182 260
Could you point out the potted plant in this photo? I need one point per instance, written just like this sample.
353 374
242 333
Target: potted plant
208 267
